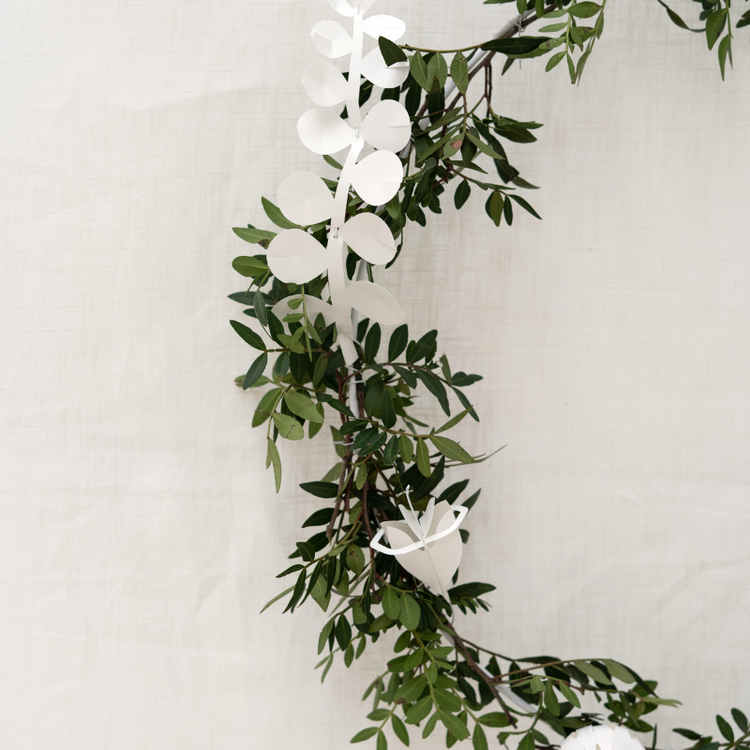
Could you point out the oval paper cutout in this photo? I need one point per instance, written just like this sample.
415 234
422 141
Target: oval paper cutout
296 257
388 26
324 84
368 235
331 39
343 8
323 131
377 177
305 199
375 70
387 126
373 302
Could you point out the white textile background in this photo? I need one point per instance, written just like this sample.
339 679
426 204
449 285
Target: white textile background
140 532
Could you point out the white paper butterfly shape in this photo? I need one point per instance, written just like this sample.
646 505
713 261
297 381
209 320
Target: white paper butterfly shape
295 256
429 547
601 738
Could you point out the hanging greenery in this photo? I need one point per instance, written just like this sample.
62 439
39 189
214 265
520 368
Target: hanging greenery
380 556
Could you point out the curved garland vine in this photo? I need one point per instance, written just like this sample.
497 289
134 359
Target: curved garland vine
306 282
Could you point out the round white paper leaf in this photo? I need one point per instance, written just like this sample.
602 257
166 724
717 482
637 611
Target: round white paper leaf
373 302
343 8
323 131
296 257
377 177
368 235
388 26
331 39
324 84
305 199
387 126
374 69
314 306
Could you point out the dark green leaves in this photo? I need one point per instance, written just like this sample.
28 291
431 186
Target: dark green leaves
253 235
365 734
525 205
676 19
725 728
397 344
326 490
247 266
372 342
410 613
494 207
451 449
391 52
515 45
463 191
418 69
256 370
274 214
460 72
715 25
248 336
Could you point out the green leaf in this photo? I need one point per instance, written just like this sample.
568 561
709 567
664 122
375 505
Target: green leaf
515 45
479 738
436 388
592 671
569 694
399 729
527 743
451 449
584 9
391 603
429 726
676 19
740 720
372 342
406 448
272 457
387 410
437 69
525 204
274 214
494 719
419 710
301 404
288 427
714 26
423 458
382 742
246 265
725 728
253 235
619 671
365 734
355 559
248 336
410 613
454 725
397 344
277 597
418 69
255 371
725 47
391 52
550 700
494 207
326 490
460 72
463 191
454 421
259 305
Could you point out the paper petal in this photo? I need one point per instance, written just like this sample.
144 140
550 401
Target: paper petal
305 199
436 565
374 69
323 131
387 126
373 302
388 26
368 235
345 9
377 177
314 306
296 257
324 84
331 39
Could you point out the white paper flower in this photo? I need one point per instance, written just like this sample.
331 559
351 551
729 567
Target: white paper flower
429 547
601 738
331 39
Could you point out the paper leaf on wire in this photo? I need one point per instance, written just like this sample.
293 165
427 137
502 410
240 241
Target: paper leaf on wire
388 26
369 236
372 301
387 126
305 199
377 177
432 545
314 307
345 9
324 84
324 132
601 738
375 70
296 257
331 39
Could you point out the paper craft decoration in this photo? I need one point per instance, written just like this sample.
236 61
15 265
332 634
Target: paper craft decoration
601 738
429 547
294 255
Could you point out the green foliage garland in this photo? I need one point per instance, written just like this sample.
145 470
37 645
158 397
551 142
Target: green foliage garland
436 676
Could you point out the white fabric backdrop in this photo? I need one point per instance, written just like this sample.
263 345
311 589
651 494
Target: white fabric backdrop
141 535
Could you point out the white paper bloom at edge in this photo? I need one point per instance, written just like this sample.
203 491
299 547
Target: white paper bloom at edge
601 738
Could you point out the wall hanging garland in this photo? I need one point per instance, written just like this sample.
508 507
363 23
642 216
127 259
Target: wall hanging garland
385 558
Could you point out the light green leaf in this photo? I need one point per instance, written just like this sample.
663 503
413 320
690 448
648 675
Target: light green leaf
619 671
301 404
252 235
273 457
276 598
454 421
288 427
451 449
410 612
592 671
255 371
365 734
246 265
274 214
423 458
391 603
460 72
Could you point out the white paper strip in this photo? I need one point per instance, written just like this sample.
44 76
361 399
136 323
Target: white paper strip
305 199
